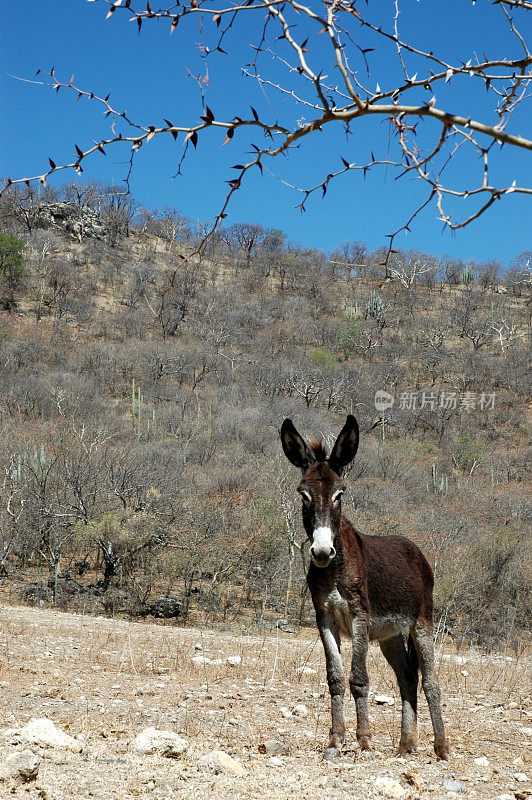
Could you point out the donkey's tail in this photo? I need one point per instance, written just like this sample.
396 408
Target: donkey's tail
412 653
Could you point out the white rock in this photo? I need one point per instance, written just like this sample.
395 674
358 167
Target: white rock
215 662
527 731
518 762
44 733
522 777
287 714
301 710
389 787
482 761
12 735
274 746
200 661
513 704
23 765
218 761
454 786
165 743
233 661
384 700
506 797
465 673
198 647
306 671
274 762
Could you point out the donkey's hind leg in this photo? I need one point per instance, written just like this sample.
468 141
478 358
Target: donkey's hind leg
422 636
405 665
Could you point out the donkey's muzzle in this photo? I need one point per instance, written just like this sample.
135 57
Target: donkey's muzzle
322 557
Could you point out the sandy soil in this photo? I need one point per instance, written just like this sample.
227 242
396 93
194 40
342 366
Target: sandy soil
104 681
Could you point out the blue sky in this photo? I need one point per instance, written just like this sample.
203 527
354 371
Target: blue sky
146 76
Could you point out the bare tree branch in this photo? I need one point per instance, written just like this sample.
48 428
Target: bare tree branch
287 31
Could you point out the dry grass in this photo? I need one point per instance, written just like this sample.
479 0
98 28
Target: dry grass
106 680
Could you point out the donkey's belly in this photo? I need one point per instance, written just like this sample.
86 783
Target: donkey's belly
380 627
386 627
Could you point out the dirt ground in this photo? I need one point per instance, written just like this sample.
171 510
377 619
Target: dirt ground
104 681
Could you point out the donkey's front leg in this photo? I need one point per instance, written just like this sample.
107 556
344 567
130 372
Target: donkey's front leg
336 680
359 681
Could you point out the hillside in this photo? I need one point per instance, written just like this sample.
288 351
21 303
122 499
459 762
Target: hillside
141 396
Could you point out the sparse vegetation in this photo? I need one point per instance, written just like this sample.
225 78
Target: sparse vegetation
140 399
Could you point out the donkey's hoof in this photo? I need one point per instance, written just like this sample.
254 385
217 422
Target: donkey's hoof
406 749
442 751
332 752
364 743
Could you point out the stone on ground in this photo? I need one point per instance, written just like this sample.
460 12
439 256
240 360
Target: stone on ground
165 743
46 734
389 787
200 661
384 700
23 765
218 761
454 786
274 747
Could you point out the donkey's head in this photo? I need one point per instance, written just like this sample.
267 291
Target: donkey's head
321 486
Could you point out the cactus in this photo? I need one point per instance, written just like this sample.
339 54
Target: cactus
467 274
151 422
139 414
136 406
440 486
375 306
352 311
15 468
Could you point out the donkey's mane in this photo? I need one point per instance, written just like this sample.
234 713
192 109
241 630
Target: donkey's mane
319 450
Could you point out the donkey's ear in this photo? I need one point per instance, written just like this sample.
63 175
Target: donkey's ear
345 446
294 446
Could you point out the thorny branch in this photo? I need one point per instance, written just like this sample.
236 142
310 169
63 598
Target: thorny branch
301 40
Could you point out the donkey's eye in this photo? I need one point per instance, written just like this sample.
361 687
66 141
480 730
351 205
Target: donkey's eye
337 497
305 496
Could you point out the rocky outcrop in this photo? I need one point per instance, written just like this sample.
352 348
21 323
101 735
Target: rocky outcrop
80 222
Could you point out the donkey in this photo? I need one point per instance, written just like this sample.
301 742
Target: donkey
364 587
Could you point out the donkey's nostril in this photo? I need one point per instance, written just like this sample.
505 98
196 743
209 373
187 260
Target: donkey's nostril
333 552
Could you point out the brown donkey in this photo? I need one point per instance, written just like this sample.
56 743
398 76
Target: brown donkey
364 587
